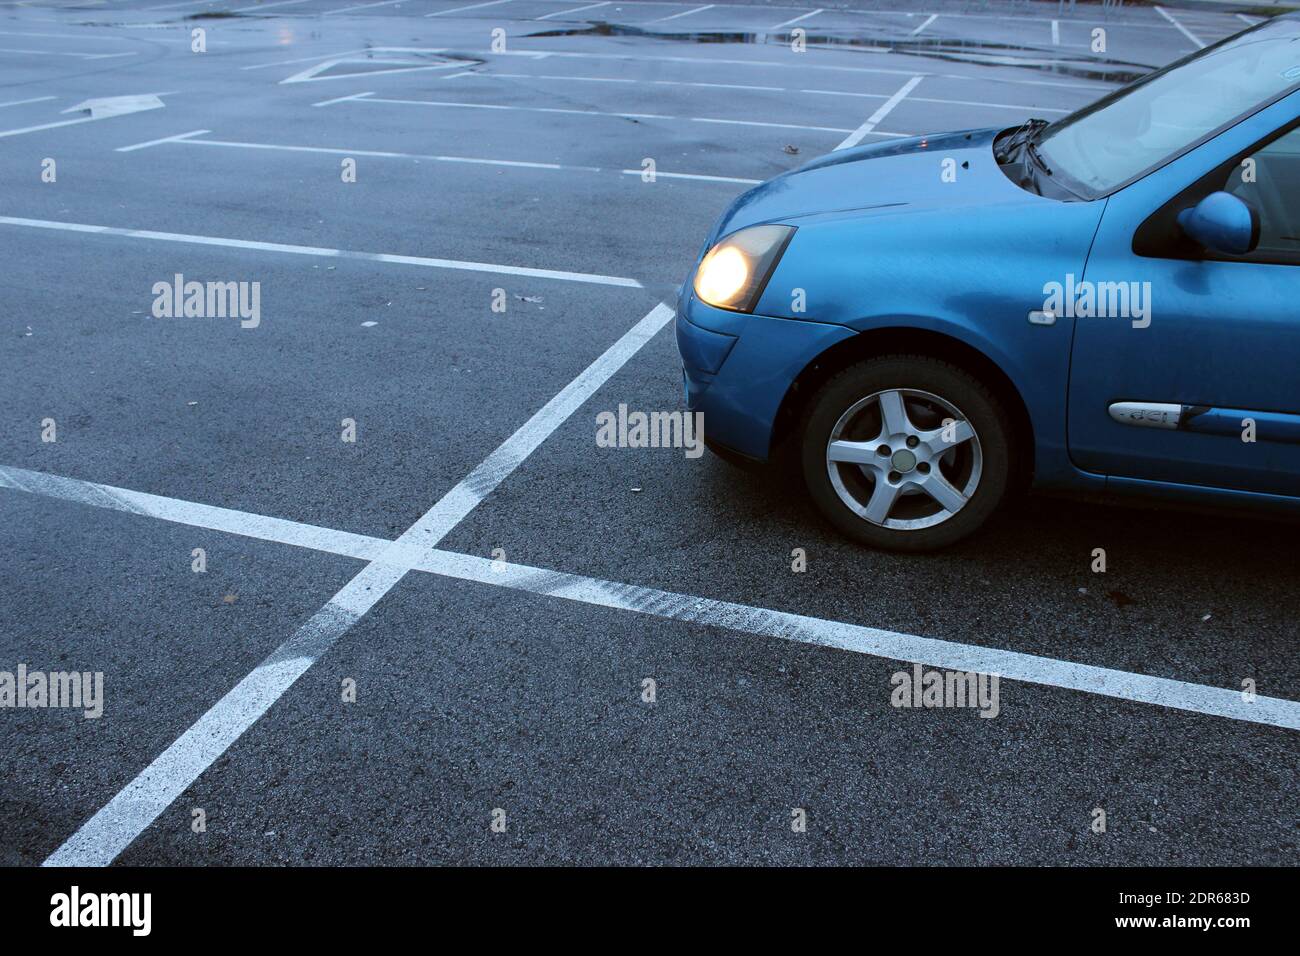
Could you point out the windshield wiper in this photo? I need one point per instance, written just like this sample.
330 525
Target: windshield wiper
1036 161
1016 139
1024 164
1015 153
1031 150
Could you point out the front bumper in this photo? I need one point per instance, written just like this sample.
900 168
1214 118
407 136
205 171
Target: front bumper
737 368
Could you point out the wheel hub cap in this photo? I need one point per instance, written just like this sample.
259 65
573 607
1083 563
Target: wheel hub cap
903 461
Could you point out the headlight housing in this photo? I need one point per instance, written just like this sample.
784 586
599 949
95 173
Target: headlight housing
733 273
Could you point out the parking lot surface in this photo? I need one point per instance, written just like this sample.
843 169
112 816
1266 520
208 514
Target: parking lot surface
361 584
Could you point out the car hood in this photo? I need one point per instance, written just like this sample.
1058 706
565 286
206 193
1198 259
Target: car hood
949 169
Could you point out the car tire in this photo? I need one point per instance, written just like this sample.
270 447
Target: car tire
942 488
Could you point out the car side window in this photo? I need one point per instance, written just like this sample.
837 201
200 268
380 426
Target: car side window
1269 182
1267 178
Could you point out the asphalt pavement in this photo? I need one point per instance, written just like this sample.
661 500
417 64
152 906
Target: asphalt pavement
463 219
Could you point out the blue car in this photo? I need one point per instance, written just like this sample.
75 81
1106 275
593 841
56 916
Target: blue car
1106 303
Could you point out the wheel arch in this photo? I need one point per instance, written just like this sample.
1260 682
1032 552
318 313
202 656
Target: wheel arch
913 341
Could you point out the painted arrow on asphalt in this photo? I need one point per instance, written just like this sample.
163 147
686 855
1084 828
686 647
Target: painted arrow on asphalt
98 109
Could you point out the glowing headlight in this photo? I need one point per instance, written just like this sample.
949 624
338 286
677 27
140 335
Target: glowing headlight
734 272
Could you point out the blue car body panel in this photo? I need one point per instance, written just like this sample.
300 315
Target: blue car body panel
928 233
1222 334
740 406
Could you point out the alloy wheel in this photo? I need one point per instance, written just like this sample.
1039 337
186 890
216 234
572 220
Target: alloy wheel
904 459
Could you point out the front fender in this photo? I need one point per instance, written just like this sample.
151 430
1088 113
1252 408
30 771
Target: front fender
973 277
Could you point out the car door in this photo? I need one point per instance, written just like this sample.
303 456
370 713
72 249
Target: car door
1200 383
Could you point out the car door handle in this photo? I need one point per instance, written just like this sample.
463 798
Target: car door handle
1209 420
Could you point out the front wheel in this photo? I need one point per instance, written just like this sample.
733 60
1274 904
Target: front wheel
906 452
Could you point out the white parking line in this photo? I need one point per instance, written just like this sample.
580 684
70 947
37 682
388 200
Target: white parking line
34 99
938 100
112 829
660 174
306 59
344 99
317 73
371 153
362 6
56 125
448 104
80 56
1015 17
721 86
1181 29
438 521
179 137
422 261
419 553
185 138
472 6
562 13
264 6
616 79
1056 33
885 109
790 23
876 642
89 38
187 3
1096 87
929 20
195 515
1249 20
685 13
819 129
106 834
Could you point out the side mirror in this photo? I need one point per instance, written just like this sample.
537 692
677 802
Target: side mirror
1222 223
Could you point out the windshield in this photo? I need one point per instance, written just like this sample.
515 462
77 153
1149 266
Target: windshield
1147 123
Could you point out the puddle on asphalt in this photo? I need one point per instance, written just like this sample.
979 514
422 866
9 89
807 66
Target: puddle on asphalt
935 47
